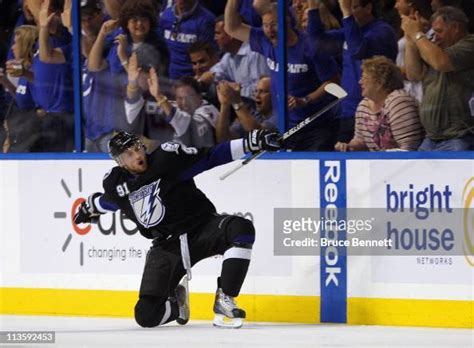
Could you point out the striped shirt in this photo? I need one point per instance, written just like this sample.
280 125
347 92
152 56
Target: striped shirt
395 126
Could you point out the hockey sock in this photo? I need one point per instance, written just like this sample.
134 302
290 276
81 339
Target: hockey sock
234 269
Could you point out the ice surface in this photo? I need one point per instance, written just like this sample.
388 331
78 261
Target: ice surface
113 332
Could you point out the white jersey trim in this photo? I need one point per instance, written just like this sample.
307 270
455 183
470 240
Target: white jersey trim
237 149
238 253
99 207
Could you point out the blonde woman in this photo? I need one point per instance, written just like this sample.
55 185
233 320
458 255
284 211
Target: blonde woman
22 123
387 118
25 37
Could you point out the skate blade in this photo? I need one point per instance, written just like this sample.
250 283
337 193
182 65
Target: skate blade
223 322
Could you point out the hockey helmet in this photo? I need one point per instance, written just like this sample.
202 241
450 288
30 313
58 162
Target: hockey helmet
121 142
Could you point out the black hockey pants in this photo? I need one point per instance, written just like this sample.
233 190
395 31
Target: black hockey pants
227 235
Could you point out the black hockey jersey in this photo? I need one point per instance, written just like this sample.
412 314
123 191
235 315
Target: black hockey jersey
165 200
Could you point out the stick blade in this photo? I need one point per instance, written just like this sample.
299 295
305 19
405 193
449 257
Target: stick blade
335 90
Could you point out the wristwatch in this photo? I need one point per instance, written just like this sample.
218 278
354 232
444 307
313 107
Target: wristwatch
419 35
238 106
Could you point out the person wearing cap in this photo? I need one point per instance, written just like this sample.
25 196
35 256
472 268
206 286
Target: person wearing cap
92 18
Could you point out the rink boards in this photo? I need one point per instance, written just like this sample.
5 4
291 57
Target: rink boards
50 266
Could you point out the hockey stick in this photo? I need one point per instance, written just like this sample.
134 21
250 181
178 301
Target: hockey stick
331 88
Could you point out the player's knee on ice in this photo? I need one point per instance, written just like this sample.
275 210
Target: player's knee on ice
162 272
152 311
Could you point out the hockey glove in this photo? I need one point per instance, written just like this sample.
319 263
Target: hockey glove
263 140
87 211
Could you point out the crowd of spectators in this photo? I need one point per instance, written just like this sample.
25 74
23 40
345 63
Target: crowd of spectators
202 72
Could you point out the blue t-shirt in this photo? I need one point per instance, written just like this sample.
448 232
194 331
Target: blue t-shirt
23 97
53 87
359 43
179 35
307 70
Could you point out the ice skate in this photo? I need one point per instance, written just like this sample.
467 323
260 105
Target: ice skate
182 299
227 314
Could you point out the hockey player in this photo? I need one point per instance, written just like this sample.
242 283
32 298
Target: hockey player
158 193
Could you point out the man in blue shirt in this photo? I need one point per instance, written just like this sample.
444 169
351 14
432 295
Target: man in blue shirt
308 72
362 36
239 63
181 25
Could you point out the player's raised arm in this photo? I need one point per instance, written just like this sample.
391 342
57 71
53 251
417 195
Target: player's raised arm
233 22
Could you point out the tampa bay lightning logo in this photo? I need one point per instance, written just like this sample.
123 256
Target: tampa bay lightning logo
147 205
